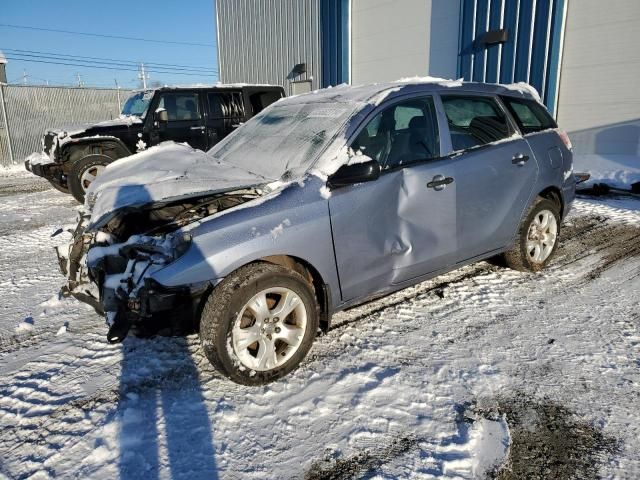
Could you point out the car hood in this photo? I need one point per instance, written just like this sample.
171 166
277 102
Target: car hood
162 174
79 130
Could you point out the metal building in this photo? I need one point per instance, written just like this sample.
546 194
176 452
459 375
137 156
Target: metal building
581 55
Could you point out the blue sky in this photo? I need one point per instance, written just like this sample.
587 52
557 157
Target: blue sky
180 21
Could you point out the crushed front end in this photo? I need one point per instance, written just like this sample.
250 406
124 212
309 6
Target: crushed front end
111 268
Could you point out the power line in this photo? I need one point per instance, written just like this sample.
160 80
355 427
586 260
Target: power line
109 68
94 60
121 37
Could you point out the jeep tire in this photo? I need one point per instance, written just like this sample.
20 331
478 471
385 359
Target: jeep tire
83 172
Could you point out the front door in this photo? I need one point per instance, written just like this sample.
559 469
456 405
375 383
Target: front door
186 122
402 225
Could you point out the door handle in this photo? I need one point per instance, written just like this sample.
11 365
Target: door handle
439 182
520 159
197 128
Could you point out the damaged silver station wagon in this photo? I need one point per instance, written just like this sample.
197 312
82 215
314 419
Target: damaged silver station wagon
320 202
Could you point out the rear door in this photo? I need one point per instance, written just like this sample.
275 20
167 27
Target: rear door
186 119
226 112
495 173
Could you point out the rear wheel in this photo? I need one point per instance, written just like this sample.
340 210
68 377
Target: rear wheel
259 323
84 172
537 238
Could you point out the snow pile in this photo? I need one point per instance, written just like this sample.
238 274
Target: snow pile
436 80
39 158
489 442
14 171
524 88
615 170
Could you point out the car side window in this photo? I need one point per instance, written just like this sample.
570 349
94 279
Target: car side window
474 121
226 104
261 100
180 106
401 134
530 116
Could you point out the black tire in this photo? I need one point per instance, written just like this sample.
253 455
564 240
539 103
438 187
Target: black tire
79 168
228 299
517 257
58 187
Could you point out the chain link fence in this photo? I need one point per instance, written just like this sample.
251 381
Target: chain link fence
26 112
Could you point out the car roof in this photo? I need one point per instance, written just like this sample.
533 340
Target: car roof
377 92
214 86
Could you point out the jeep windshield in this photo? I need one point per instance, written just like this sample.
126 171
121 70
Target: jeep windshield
286 137
137 104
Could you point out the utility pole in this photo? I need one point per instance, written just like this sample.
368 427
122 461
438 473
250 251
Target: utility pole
118 93
143 76
79 78
24 77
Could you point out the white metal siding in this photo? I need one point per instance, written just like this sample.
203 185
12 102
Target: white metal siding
599 102
261 41
443 48
389 39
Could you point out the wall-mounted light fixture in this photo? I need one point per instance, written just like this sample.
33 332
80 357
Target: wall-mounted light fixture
299 69
494 37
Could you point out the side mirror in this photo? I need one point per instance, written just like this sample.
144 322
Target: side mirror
355 173
162 116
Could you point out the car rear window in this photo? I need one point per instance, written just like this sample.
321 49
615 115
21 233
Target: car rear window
530 116
474 121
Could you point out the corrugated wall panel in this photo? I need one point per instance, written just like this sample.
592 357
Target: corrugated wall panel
530 54
261 41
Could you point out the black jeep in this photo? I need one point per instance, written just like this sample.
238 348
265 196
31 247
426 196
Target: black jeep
200 116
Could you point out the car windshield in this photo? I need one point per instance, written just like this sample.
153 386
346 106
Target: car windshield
137 104
283 138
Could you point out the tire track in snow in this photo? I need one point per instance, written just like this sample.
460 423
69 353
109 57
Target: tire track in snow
481 277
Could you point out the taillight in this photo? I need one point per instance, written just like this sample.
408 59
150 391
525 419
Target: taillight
565 138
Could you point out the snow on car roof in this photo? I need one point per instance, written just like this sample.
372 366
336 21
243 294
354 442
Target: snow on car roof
207 86
371 93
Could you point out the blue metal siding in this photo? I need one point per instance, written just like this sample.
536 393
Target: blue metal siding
508 49
539 49
523 46
530 54
482 7
493 60
553 61
465 59
334 23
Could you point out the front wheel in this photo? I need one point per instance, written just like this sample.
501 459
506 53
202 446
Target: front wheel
537 238
259 323
84 172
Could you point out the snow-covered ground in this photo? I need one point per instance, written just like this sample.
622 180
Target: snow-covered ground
480 369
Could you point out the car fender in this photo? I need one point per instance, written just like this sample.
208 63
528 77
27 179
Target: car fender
293 222
112 147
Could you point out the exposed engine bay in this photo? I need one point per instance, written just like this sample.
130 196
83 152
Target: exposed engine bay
109 268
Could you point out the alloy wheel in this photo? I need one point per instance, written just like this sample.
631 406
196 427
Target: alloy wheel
269 329
89 175
542 236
